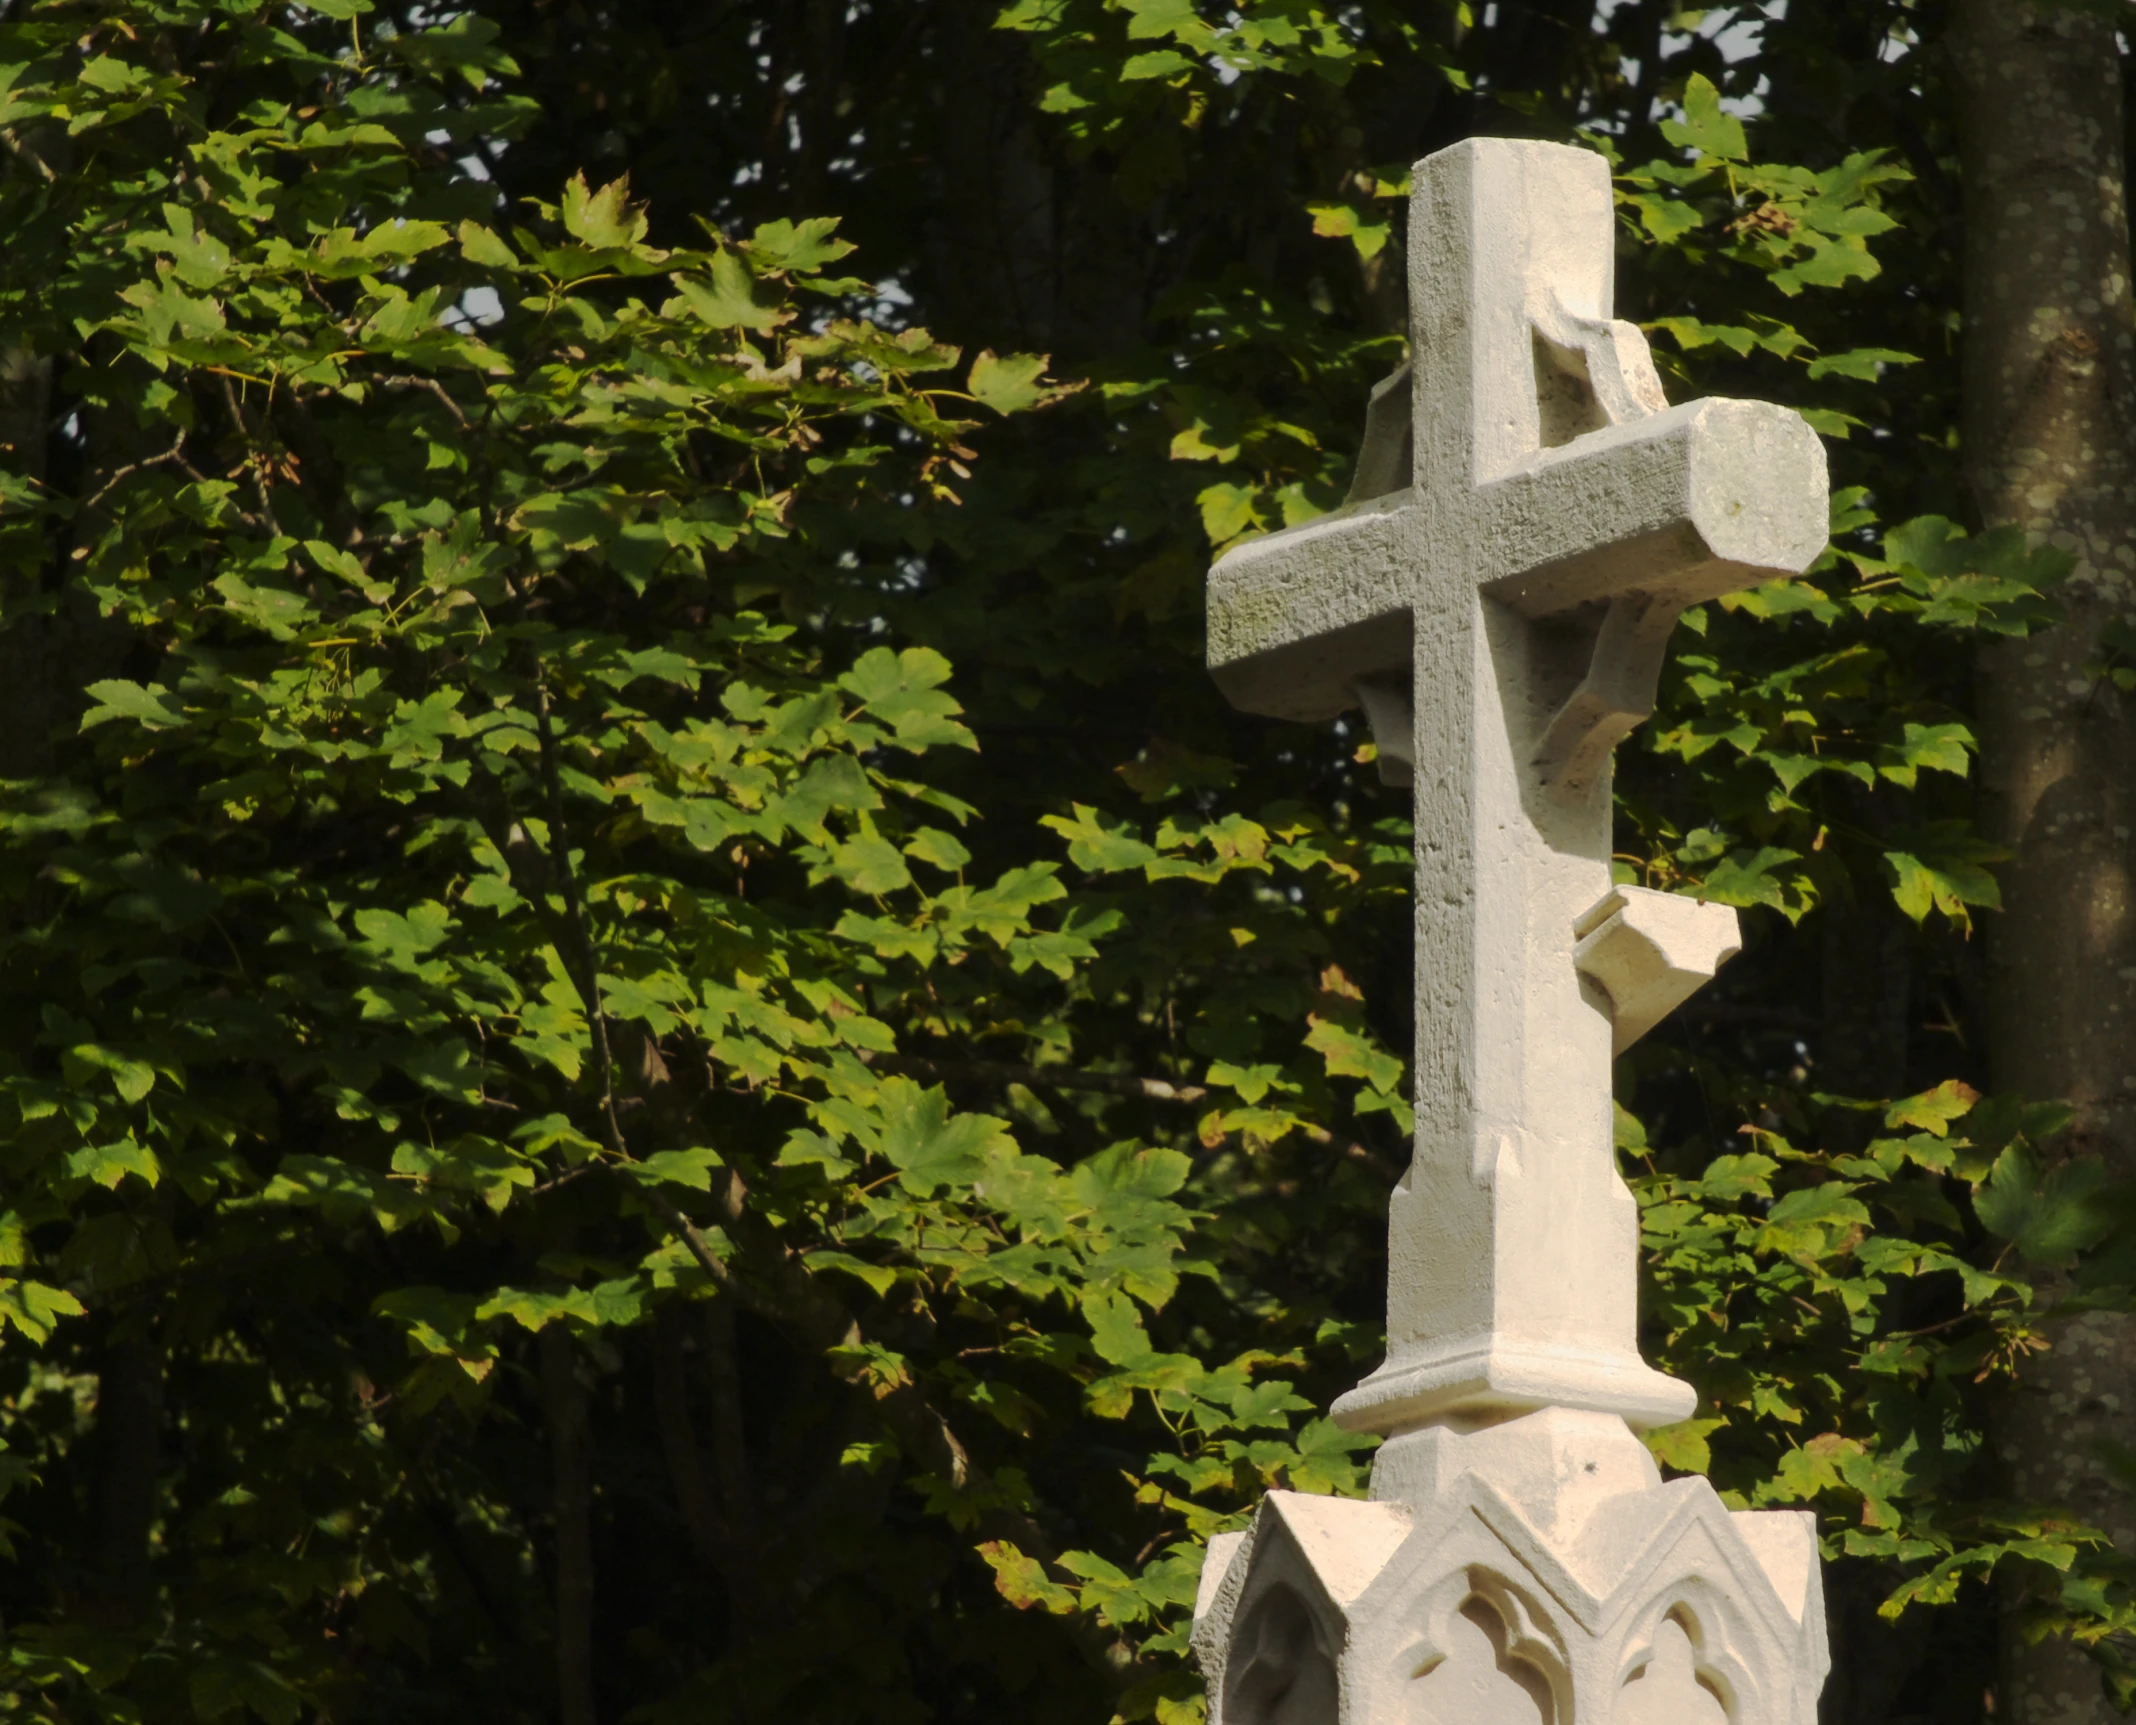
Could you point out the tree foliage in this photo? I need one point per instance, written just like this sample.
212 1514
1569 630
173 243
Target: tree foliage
604 835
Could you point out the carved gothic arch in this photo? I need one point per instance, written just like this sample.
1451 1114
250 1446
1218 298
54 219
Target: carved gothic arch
1490 1652
1701 1650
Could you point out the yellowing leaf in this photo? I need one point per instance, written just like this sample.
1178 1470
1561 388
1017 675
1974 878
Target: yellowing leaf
606 219
1011 385
1022 1580
1367 232
1934 1110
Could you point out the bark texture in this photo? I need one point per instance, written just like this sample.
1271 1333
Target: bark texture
129 1453
564 1404
2050 358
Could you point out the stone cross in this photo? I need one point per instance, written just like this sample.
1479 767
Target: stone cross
1529 519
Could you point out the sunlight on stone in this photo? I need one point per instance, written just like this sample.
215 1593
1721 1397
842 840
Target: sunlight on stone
1667 1691
1478 1683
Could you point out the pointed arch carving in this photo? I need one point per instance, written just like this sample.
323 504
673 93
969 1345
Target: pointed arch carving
1678 1669
1490 1654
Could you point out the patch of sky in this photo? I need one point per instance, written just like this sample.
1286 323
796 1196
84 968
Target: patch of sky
891 305
479 306
1737 31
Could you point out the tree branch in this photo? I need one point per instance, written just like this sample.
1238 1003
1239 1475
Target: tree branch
564 1403
174 453
1045 1077
1123 1084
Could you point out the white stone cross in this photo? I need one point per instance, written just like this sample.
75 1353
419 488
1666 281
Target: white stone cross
1501 609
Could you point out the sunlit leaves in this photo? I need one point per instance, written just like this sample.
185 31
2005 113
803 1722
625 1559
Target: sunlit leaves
1707 128
1012 385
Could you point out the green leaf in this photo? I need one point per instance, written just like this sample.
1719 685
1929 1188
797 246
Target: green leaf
928 1145
481 246
1944 869
1160 18
1012 385
1095 847
117 699
1683 1447
1867 363
2050 1212
691 1168
35 1309
1116 1329
1353 1054
731 299
1706 127
803 247
877 1279
402 939
943 850
1163 63
868 864
109 1164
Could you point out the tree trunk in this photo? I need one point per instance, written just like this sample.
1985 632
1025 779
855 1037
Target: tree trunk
2048 374
730 1449
678 1443
129 1456
564 1404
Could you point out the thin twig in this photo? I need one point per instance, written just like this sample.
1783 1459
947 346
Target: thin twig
435 388
252 460
1047 1077
692 1237
564 1179
174 453
17 147
1124 1084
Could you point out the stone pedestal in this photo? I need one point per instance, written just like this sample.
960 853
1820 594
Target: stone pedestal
1536 1572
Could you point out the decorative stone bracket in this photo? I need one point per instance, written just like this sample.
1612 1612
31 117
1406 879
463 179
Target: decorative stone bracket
1650 952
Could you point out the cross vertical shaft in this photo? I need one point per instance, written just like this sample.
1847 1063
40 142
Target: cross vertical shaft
1519 587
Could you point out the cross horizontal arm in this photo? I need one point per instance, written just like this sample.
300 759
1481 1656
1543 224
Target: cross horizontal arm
1685 505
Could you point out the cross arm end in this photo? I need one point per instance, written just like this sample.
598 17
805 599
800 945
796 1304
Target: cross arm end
1705 499
1297 618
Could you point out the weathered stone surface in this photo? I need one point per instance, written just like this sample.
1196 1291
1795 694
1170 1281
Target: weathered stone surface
1528 521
